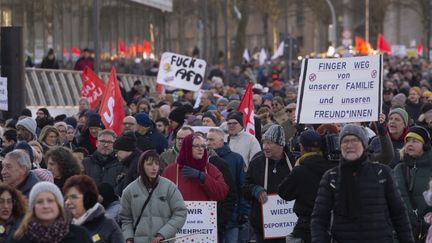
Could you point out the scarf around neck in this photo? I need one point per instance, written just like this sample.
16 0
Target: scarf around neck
185 155
54 233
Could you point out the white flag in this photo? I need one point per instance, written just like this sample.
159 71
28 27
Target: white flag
262 57
279 52
246 56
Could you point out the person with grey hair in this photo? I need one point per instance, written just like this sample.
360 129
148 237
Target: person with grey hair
16 172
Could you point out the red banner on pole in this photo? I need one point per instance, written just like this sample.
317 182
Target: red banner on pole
92 87
247 108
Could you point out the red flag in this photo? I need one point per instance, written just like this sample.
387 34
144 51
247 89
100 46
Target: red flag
247 108
419 49
383 45
361 46
111 109
65 52
92 87
147 47
76 52
121 46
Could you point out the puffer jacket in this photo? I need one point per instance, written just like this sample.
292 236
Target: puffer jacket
99 226
103 168
421 168
382 208
165 213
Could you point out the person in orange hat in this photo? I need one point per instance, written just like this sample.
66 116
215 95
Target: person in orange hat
413 104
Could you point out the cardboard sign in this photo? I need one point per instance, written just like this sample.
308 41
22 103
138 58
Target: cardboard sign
279 218
340 90
201 223
181 71
3 94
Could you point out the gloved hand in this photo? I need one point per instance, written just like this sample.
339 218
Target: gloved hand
242 219
193 173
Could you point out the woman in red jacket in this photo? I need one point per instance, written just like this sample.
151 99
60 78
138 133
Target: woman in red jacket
196 178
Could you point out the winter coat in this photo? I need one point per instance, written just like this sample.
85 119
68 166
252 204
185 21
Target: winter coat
97 224
165 213
423 172
379 145
301 185
236 166
214 187
244 144
28 184
254 184
381 205
77 234
226 207
152 140
103 168
130 171
413 110
168 157
83 62
83 140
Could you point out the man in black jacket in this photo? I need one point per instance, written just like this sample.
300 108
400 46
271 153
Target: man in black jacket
359 201
302 183
258 184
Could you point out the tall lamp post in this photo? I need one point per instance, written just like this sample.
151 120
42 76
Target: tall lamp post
334 23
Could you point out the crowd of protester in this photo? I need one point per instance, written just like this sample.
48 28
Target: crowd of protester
68 179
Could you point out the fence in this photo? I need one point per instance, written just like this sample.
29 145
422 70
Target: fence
48 87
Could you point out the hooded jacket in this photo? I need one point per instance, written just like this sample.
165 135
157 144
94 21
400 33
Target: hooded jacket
301 185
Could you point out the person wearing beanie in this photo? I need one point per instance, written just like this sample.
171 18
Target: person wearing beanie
265 172
16 171
240 141
398 101
302 183
81 199
176 120
26 129
47 219
147 135
128 154
103 165
160 221
87 139
364 196
413 104
416 157
210 119
43 118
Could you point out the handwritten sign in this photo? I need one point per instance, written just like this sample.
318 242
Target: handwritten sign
181 71
279 218
201 223
340 90
3 94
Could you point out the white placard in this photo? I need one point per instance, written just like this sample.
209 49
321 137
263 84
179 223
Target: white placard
279 218
181 71
201 223
340 90
399 50
3 94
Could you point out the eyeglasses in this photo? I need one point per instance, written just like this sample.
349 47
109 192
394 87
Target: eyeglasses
354 141
106 142
73 197
199 146
232 123
179 138
128 124
275 104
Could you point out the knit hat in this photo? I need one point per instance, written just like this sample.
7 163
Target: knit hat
222 100
60 118
419 133
327 128
26 147
71 121
238 116
355 130
211 116
276 134
402 113
178 115
310 139
233 105
398 100
29 124
26 112
43 175
143 119
268 96
60 124
95 120
45 186
126 142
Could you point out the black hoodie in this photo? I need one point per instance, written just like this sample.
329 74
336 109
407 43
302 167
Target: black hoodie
302 185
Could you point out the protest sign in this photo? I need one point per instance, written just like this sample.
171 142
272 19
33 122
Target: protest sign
279 218
181 71
201 223
340 90
3 94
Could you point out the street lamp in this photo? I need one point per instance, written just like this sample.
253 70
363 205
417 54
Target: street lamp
333 28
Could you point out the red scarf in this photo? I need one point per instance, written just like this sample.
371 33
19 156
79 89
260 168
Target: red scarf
185 155
93 141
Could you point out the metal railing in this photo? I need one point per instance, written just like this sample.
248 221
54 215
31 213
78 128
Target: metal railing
49 87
